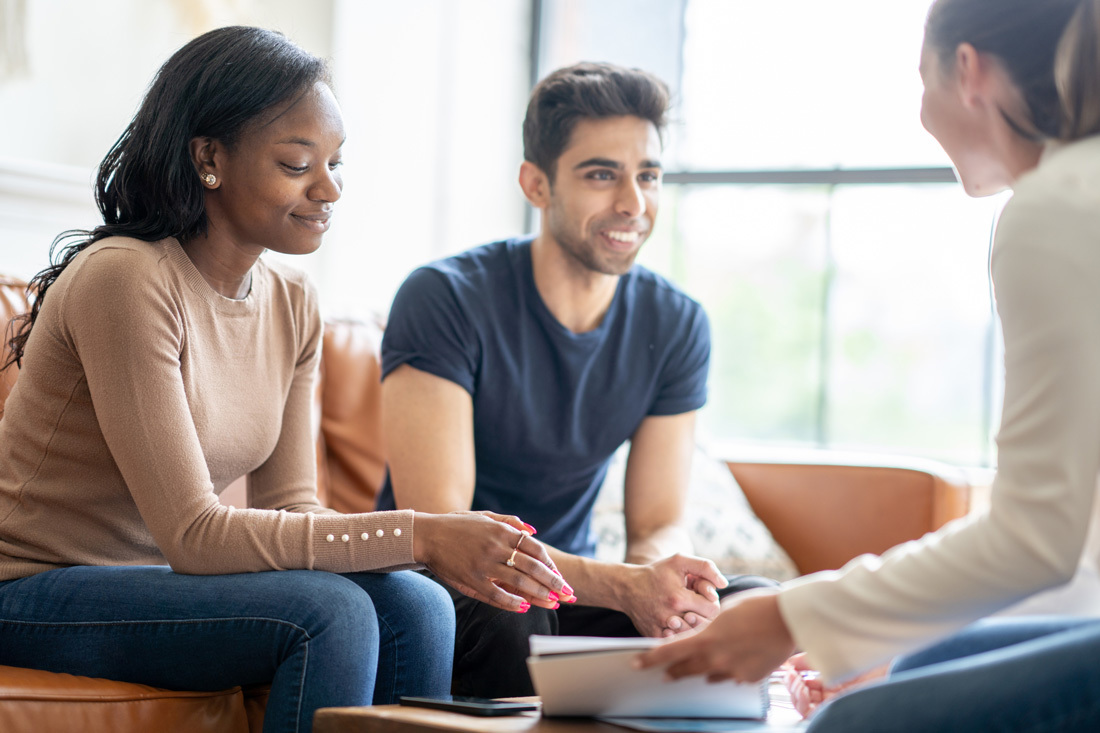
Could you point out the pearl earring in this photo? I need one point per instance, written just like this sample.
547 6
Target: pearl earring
209 179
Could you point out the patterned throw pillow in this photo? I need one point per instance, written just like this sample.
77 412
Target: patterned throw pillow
719 519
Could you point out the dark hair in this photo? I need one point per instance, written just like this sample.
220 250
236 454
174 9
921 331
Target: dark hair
147 186
587 91
1049 49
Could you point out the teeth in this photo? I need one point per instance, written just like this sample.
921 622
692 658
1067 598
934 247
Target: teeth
623 236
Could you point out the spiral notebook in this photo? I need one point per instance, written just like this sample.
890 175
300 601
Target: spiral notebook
594 676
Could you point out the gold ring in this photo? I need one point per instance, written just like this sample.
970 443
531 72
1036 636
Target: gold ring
511 562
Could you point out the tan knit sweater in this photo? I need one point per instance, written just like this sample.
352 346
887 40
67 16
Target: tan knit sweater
143 394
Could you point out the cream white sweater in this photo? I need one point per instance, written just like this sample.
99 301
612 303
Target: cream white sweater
143 394
1036 534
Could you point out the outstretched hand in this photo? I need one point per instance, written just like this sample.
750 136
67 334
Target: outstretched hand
807 689
470 550
744 643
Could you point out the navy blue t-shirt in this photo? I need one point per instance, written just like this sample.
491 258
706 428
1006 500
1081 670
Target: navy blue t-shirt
550 406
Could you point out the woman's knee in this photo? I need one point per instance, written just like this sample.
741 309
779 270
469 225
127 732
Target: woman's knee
321 602
415 603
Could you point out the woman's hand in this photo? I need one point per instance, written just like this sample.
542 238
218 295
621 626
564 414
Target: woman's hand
808 691
470 550
744 643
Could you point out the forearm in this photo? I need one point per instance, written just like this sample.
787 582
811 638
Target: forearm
643 548
595 582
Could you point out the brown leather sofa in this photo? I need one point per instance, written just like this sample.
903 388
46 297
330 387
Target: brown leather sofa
823 513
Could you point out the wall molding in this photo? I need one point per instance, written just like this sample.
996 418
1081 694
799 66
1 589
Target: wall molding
38 201
50 182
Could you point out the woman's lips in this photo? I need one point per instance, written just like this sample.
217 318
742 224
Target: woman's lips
314 222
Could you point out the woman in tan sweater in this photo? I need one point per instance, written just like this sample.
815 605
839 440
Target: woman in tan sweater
163 359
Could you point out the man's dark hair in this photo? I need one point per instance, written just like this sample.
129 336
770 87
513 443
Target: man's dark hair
587 91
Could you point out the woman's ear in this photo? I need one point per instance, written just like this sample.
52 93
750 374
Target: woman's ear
535 184
973 75
205 159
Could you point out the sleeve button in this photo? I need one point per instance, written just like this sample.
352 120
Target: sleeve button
397 532
380 532
330 538
365 536
344 538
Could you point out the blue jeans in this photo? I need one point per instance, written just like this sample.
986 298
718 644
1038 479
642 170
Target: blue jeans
1022 674
319 639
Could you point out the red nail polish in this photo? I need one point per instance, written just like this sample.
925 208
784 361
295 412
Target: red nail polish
556 572
556 605
566 589
572 599
524 607
552 596
530 529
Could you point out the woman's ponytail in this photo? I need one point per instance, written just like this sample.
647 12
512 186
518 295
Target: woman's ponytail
1077 73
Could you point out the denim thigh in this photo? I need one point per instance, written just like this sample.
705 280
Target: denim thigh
320 639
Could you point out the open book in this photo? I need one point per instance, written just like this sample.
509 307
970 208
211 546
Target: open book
594 676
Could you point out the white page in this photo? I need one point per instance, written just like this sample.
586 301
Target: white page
566 644
605 683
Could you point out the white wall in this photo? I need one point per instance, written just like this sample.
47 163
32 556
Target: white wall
433 92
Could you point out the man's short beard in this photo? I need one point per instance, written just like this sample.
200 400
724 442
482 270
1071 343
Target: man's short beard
585 257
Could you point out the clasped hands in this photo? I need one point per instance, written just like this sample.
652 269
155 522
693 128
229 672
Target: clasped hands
672 595
490 557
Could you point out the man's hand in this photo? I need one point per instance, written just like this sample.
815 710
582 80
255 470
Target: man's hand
691 620
744 643
671 595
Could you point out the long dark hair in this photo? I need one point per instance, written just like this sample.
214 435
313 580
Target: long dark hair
1048 47
147 186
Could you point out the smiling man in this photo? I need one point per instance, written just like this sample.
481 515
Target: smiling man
514 370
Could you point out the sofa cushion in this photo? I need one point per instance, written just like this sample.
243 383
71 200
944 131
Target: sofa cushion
351 449
34 701
722 525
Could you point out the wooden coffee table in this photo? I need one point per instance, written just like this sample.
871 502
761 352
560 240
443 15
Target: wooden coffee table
404 719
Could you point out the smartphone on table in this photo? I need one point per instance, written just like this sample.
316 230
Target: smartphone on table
470 705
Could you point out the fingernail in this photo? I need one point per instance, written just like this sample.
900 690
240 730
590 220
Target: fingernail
523 607
566 589
556 572
571 599
556 605
552 596
530 529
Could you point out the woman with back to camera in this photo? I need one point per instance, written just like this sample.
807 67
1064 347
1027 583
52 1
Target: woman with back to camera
1012 92
162 359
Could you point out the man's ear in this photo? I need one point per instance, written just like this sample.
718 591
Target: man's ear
535 184
205 152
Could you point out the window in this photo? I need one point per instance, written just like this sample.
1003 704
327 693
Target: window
844 271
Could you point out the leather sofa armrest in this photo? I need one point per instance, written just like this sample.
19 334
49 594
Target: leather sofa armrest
825 508
13 302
